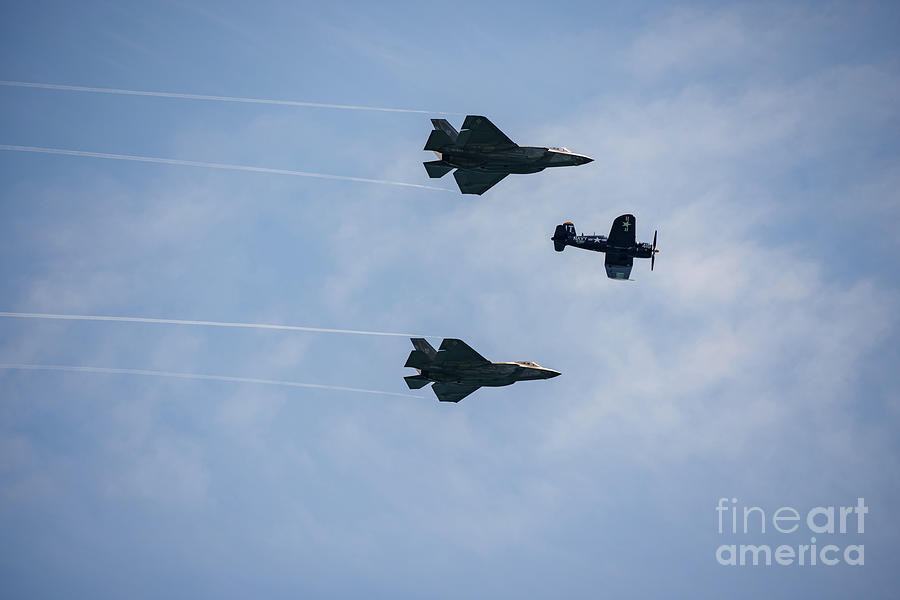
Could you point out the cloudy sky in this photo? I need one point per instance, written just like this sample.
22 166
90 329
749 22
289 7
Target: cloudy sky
757 362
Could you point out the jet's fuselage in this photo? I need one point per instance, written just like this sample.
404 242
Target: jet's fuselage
489 375
456 370
519 160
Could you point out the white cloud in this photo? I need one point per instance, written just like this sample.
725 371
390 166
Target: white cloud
689 38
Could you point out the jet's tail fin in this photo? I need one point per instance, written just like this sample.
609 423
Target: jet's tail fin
561 236
437 168
422 345
445 126
417 360
437 140
416 382
422 356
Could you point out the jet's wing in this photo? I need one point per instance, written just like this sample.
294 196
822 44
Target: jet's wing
453 392
476 182
458 352
479 131
621 234
618 265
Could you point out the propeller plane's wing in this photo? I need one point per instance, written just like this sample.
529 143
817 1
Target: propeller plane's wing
618 265
620 247
622 232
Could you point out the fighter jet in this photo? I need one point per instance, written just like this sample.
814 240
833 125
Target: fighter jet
457 370
482 155
620 247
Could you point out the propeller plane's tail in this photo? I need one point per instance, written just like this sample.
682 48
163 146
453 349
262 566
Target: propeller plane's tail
561 236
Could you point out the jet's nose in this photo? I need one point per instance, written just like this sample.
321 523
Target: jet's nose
551 373
583 160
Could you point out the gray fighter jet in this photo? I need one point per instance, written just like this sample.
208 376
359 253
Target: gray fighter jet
482 155
457 370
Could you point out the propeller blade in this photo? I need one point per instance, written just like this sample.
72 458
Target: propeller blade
653 251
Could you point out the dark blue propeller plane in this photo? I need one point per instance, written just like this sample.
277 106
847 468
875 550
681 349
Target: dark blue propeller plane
620 247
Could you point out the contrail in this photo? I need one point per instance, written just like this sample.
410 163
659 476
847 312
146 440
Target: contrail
109 370
99 90
203 323
208 165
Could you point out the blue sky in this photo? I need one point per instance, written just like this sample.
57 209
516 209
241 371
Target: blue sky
757 361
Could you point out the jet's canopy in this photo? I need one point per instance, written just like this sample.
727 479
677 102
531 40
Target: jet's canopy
560 149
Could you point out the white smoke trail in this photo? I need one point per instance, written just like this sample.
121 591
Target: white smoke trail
203 323
208 165
114 371
98 90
